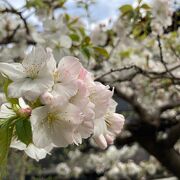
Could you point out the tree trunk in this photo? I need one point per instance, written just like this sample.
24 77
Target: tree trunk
168 157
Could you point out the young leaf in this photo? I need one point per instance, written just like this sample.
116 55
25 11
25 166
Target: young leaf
145 6
101 51
126 8
6 84
74 37
23 130
85 51
6 132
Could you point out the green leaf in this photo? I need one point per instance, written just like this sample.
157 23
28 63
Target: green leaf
101 51
74 21
6 133
145 6
6 84
125 54
126 8
86 52
87 40
82 31
67 17
74 37
23 130
35 3
137 30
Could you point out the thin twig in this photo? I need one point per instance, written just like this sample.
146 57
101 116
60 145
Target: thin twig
14 11
149 74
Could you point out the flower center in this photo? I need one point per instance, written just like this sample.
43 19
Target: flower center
51 117
56 77
107 119
32 70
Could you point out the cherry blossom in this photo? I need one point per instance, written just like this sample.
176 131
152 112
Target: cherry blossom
29 79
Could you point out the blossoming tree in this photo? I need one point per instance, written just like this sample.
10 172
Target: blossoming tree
58 79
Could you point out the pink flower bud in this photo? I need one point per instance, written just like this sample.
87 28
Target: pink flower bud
101 141
109 139
82 74
25 112
47 98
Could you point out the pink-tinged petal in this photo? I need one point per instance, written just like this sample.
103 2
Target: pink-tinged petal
87 77
47 98
82 89
88 111
72 115
62 92
100 96
109 138
100 126
101 141
82 74
86 128
51 63
81 98
13 71
77 138
38 115
116 123
112 105
61 133
69 68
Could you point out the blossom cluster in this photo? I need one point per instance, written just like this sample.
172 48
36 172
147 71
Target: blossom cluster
162 15
61 102
113 164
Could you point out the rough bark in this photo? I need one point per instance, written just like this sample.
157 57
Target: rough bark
168 157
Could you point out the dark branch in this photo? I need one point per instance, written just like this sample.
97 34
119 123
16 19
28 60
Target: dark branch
10 37
162 58
173 135
137 71
14 11
170 105
121 141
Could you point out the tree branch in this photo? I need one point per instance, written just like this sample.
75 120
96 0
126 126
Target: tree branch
170 105
121 141
173 135
14 11
137 71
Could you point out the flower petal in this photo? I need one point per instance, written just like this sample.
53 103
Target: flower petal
35 152
69 68
65 41
14 71
62 92
6 111
101 141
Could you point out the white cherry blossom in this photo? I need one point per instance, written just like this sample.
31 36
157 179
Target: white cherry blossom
31 78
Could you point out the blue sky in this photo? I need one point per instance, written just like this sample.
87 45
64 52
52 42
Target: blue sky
100 12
